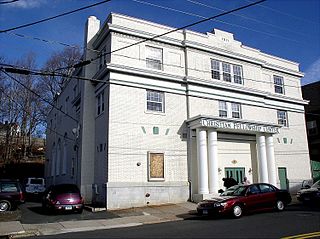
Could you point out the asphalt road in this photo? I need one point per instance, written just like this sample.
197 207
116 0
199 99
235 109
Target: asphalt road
295 220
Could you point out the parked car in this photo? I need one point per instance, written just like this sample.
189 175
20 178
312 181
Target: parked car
63 197
11 195
34 186
245 198
310 194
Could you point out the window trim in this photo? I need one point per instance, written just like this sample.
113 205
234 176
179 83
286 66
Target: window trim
222 73
229 109
286 124
152 179
100 103
162 103
153 60
277 85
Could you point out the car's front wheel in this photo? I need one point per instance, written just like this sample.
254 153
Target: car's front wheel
280 205
5 205
237 211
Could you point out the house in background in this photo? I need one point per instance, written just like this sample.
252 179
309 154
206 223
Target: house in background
311 92
164 120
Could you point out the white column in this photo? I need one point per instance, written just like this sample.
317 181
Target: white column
213 161
271 160
202 157
262 159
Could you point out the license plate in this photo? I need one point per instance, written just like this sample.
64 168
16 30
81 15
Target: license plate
205 212
68 208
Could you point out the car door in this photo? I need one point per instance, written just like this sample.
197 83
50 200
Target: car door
268 196
252 200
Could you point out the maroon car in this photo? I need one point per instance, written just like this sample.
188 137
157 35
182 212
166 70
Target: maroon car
11 194
244 198
63 197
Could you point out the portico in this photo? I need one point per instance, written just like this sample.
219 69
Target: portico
205 131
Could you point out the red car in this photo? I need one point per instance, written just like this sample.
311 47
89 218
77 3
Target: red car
244 198
63 197
11 195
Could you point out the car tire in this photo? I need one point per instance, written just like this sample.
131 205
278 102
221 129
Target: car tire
280 205
5 206
237 211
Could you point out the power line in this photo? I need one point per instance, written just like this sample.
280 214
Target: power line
54 17
223 22
286 14
22 108
87 62
7 2
50 41
35 93
246 17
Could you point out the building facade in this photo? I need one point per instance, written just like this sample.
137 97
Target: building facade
311 92
164 120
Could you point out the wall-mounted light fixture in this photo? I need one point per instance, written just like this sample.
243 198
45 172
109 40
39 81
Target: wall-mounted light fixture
250 171
219 170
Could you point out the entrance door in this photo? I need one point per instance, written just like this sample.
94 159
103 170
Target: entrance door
236 173
282 172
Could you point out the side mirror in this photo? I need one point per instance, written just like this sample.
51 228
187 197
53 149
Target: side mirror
220 191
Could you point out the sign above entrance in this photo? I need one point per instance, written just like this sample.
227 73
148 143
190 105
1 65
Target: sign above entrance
241 126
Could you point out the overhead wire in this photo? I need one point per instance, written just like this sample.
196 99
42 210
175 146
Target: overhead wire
87 62
216 20
53 17
246 17
8 2
35 93
22 108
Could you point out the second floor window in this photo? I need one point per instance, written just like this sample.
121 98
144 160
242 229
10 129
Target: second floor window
155 101
154 58
312 128
278 84
229 109
282 117
226 71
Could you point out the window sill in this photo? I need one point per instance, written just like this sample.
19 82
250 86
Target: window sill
154 113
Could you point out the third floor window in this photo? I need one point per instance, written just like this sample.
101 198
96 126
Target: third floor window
226 71
278 84
154 58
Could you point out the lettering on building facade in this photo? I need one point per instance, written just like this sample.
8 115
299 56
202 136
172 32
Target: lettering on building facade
239 126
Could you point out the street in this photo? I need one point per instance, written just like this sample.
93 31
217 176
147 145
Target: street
297 219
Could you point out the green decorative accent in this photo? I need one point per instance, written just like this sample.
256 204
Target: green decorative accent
236 173
315 168
167 131
143 129
285 140
155 130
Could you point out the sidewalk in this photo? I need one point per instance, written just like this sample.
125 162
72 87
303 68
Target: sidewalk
127 218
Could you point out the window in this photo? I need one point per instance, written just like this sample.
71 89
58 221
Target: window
102 58
266 188
237 74
278 84
312 128
100 103
154 57
223 110
236 113
226 71
155 101
156 166
282 117
229 109
229 72
215 69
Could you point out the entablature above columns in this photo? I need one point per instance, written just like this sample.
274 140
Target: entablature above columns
233 125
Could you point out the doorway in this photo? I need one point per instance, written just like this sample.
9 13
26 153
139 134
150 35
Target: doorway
236 173
282 172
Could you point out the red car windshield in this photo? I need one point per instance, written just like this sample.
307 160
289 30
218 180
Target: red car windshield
235 191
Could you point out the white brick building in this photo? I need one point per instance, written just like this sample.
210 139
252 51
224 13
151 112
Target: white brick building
171 117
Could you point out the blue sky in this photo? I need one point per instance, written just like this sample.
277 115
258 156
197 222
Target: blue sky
286 28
